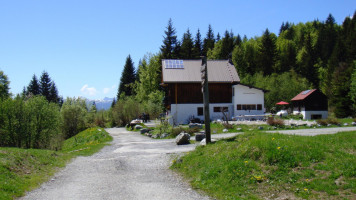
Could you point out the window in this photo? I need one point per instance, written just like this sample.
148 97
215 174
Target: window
238 107
200 111
219 109
249 107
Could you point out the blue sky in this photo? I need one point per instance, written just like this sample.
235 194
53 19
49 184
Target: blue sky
83 44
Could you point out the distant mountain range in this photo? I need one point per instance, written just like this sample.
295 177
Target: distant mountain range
101 104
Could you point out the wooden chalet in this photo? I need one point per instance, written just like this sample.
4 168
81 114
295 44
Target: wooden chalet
312 104
184 99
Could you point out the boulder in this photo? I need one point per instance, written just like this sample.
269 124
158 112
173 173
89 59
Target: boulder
353 123
346 124
138 127
164 135
239 129
183 138
225 130
193 125
148 134
156 136
144 130
199 136
260 128
203 142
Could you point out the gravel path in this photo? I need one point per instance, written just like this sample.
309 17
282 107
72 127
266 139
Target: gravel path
316 131
133 167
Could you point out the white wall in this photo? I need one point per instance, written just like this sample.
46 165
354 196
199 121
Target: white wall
246 95
180 113
307 114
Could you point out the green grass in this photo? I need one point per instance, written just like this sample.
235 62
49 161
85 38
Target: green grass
258 165
22 170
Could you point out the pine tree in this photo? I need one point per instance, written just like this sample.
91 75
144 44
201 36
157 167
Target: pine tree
186 51
197 51
53 93
4 86
45 85
127 78
169 49
218 37
227 45
33 88
209 41
268 52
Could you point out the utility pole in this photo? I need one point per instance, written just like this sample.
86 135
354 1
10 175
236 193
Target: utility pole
205 90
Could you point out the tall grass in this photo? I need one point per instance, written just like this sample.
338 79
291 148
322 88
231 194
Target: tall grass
259 165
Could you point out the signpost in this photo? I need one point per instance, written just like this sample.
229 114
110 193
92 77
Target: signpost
205 91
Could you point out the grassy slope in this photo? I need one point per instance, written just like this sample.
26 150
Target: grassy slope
24 169
256 165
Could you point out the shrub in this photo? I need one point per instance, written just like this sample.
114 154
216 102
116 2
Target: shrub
74 114
191 131
30 123
125 110
176 131
275 122
228 126
327 121
322 122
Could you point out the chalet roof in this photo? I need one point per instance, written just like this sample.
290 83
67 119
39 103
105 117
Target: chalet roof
303 95
189 71
250 86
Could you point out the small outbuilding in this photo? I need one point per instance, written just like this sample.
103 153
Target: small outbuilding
312 104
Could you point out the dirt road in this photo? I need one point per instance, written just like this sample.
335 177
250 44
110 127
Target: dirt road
133 167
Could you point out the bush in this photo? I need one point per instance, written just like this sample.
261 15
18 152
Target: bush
192 131
275 122
176 131
125 110
74 114
30 123
228 126
325 122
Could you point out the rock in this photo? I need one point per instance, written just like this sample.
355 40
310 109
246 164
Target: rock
164 135
353 123
156 136
225 130
239 129
148 134
340 181
183 138
329 124
203 142
260 128
144 130
346 124
138 127
199 136
193 125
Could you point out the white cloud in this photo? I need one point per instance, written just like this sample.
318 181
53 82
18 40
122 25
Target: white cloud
91 91
107 90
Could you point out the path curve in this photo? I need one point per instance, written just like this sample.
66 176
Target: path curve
133 167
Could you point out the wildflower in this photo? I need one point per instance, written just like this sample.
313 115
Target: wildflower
272 138
246 161
278 148
306 189
307 180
